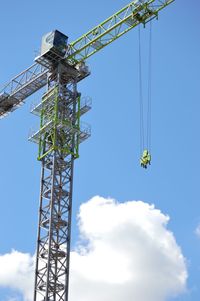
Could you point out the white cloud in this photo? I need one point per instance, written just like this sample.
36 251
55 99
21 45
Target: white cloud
16 272
129 254
125 253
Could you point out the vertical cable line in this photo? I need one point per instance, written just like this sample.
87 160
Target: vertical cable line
145 129
141 95
149 90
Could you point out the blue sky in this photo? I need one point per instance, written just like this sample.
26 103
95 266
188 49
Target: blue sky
108 164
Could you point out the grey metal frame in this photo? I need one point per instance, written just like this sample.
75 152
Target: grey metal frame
20 87
55 209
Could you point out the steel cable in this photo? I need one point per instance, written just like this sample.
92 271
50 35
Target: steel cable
141 95
149 91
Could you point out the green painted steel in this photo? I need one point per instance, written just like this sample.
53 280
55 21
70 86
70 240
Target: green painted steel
78 118
49 121
114 27
45 116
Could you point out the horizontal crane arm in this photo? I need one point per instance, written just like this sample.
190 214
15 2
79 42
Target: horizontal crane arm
114 27
22 86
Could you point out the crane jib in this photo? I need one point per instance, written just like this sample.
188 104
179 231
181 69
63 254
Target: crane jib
117 25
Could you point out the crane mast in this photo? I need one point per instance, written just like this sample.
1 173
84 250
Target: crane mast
60 67
59 137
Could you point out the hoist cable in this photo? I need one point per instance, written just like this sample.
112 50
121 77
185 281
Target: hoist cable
149 90
141 95
145 128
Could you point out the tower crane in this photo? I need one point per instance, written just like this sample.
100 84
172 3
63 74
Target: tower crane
60 67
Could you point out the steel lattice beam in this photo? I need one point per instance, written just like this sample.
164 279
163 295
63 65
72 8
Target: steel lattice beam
35 77
114 27
20 87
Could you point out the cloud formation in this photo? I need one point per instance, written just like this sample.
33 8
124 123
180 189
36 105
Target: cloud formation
125 252
16 272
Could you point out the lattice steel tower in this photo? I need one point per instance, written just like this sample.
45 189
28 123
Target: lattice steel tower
60 67
59 137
